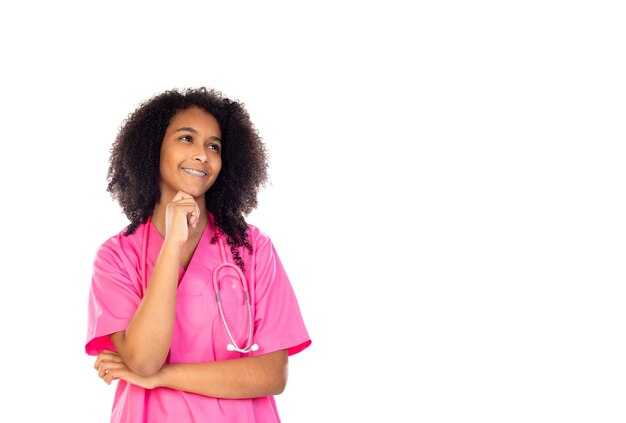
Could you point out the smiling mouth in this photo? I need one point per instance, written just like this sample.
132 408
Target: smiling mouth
194 172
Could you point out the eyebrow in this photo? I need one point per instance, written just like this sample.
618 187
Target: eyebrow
189 129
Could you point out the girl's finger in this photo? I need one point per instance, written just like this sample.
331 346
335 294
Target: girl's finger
180 195
110 376
107 367
194 216
108 356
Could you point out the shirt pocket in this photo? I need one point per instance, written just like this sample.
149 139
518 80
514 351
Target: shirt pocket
231 289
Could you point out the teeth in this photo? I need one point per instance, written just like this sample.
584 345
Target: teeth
194 172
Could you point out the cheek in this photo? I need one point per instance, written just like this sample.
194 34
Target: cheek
163 159
170 159
163 167
218 165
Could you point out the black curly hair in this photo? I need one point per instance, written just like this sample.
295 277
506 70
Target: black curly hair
133 176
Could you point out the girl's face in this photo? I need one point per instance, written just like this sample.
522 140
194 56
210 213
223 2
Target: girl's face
190 154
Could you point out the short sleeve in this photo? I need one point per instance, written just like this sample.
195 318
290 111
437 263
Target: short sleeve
113 297
278 320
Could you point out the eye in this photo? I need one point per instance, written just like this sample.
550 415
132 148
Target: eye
186 138
215 147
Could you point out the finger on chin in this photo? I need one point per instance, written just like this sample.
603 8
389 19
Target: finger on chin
182 195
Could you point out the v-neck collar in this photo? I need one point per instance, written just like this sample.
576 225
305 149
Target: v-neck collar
156 240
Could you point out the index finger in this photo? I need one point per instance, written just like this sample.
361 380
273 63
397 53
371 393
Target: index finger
181 195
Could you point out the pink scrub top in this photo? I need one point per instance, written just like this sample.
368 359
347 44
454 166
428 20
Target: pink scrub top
199 336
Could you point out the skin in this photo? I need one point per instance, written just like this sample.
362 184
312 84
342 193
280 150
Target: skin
191 141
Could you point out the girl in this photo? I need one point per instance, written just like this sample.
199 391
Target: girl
190 309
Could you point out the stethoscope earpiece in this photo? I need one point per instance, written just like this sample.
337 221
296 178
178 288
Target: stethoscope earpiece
231 347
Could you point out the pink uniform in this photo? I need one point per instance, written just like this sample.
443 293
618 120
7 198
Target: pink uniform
199 335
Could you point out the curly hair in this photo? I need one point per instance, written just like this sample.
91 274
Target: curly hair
133 175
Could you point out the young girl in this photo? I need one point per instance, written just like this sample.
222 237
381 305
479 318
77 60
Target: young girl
190 309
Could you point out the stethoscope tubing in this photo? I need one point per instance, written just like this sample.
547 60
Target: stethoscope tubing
242 279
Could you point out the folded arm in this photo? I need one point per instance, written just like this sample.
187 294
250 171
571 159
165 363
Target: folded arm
246 377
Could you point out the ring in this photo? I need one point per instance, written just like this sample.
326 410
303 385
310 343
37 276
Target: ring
106 372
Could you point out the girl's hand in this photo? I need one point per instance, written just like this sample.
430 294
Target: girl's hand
110 367
181 212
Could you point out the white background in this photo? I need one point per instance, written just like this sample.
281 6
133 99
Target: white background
447 195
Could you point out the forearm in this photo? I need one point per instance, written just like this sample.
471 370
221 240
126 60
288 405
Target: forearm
248 377
146 342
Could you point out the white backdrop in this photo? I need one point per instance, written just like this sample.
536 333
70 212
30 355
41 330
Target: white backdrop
447 195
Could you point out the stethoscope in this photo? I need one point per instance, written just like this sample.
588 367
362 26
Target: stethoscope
233 346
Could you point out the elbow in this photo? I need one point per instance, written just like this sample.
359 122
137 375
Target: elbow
145 368
279 381
269 383
140 360
269 376
279 386
145 371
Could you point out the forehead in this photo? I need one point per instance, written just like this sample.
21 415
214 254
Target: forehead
196 118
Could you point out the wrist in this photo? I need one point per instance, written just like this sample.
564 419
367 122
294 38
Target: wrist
160 377
172 248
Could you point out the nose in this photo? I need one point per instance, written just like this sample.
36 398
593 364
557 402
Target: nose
200 154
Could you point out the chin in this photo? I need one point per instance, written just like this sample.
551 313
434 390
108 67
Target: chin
195 192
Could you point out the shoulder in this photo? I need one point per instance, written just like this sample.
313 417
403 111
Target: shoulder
257 238
120 242
120 248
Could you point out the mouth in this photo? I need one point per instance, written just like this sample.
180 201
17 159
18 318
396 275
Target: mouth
194 172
